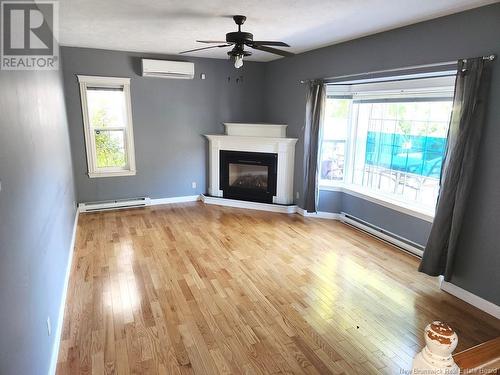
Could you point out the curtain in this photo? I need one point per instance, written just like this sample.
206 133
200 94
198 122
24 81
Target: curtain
312 134
464 135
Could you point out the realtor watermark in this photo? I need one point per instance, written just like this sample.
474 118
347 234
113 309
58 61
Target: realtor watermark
29 34
485 371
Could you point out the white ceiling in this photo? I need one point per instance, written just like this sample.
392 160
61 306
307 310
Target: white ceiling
171 26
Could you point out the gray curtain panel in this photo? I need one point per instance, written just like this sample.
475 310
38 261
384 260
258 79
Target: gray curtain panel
464 135
312 134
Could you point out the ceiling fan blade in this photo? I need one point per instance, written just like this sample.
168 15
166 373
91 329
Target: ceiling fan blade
269 43
211 41
199 49
272 50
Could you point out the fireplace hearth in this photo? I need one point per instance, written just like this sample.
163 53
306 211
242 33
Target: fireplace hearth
248 176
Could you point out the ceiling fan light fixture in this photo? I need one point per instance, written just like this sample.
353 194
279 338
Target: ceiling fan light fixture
238 61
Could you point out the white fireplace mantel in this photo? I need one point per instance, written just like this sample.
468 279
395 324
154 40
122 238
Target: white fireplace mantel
268 138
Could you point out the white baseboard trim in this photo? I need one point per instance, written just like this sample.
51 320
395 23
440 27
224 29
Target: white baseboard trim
249 205
62 306
470 298
182 199
318 214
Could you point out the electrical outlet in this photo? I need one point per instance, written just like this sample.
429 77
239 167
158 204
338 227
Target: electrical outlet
193 184
297 195
49 328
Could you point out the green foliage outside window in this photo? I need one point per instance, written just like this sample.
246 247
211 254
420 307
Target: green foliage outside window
109 149
109 144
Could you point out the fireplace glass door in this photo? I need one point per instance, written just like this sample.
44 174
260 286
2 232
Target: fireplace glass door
248 176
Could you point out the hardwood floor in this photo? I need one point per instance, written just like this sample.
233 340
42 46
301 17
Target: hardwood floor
190 288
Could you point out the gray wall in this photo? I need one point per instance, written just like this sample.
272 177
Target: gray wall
471 33
37 213
170 117
406 226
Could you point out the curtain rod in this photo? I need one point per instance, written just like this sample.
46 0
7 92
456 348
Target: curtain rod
326 80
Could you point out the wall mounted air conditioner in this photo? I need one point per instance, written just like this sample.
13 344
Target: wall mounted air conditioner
167 69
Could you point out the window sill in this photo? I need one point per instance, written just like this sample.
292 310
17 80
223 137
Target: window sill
111 174
380 200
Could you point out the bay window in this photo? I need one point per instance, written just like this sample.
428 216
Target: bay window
387 139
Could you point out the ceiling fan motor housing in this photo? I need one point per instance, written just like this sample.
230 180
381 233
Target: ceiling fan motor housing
239 37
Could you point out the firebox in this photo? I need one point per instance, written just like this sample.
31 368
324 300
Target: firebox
249 176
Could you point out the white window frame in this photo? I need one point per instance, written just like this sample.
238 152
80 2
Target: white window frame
107 82
413 88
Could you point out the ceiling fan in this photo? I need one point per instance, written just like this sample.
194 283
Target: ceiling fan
239 39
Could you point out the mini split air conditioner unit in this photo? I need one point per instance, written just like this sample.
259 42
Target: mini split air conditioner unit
167 69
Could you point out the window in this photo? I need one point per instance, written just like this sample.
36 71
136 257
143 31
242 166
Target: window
107 118
387 139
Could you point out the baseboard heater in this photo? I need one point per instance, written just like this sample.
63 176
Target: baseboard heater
394 239
115 204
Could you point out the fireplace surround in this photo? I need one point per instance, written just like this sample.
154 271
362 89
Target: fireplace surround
244 144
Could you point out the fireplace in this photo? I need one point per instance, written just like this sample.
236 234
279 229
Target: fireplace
270 180
249 176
